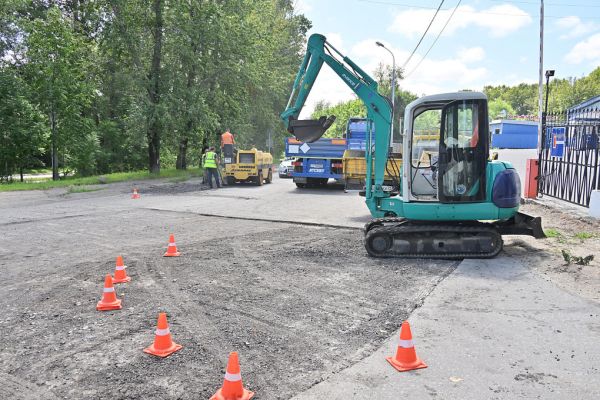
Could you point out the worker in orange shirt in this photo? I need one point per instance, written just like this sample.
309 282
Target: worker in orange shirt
227 142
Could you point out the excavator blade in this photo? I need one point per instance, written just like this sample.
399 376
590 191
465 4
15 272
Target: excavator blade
309 130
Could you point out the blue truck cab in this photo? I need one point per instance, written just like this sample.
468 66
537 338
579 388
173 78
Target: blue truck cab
317 162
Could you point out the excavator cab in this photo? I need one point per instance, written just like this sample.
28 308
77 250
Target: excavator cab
309 130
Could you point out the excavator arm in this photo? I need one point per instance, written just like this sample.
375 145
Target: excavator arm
379 109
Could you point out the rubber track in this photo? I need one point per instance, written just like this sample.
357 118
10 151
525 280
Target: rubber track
376 227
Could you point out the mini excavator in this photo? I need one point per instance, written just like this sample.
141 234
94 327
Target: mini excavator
449 200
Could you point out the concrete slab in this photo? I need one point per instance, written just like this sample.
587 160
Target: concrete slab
492 330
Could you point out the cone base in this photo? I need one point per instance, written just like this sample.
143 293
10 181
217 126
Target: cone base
417 364
135 197
124 280
163 352
167 254
108 306
247 395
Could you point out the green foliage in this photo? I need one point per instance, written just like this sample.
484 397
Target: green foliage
499 108
569 258
343 112
552 233
110 80
564 93
585 235
58 66
22 127
101 179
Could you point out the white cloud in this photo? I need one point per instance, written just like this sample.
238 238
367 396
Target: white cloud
573 26
472 54
444 75
587 50
500 20
302 6
336 40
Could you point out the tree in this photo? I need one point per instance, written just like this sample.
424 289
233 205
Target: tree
22 127
499 108
58 61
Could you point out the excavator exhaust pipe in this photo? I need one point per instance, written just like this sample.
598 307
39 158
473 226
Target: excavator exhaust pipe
309 130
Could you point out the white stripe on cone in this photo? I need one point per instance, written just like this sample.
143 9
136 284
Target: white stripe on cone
162 332
120 268
233 377
109 289
406 344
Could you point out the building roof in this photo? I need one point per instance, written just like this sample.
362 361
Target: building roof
594 101
513 122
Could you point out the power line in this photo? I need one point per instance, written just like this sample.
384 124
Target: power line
436 39
524 15
548 4
422 37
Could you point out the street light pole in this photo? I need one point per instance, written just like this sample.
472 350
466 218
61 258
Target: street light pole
393 91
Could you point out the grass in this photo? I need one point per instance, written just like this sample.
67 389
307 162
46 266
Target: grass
585 235
99 180
552 233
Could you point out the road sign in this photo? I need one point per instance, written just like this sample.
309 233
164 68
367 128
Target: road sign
558 142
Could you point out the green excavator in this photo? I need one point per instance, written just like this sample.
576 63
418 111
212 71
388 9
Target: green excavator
449 200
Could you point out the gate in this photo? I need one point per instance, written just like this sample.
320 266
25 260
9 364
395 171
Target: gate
569 156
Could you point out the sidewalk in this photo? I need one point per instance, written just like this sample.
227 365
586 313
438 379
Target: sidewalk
491 330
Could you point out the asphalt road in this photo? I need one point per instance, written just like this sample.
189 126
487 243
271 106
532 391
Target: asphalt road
280 275
298 302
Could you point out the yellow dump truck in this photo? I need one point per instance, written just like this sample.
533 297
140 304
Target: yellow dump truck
250 166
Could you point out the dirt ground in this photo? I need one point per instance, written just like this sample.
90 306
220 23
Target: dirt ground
579 236
298 303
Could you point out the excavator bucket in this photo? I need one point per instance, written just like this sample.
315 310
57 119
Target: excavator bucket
309 130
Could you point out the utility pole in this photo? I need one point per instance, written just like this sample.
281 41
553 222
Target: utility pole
541 78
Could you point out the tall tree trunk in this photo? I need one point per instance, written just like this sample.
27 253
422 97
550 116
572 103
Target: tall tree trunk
182 154
54 145
154 126
21 172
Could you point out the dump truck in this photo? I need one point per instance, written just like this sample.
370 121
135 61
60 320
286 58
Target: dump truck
317 162
250 166
354 164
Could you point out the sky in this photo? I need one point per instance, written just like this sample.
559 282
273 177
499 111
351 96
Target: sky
486 42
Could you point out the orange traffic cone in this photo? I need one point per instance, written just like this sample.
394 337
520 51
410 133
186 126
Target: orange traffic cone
233 389
406 358
109 297
135 194
172 249
120 273
163 345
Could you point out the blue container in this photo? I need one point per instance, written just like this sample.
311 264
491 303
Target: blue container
513 134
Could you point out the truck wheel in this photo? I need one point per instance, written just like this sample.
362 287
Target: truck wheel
259 178
300 185
269 177
230 180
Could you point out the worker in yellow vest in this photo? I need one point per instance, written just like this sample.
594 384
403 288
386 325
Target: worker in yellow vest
209 163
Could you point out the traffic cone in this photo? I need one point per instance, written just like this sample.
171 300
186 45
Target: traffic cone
120 273
163 345
233 389
135 194
406 358
109 297
172 249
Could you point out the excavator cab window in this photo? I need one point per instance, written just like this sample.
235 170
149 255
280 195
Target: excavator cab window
463 152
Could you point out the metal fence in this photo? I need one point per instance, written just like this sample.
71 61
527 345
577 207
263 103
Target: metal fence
569 157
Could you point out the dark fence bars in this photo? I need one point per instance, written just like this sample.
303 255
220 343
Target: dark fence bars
569 156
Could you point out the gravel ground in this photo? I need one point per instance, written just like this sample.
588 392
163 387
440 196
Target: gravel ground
298 303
